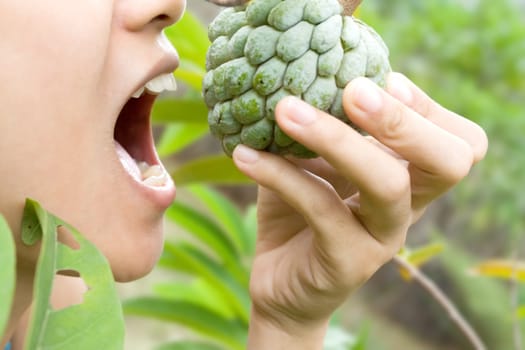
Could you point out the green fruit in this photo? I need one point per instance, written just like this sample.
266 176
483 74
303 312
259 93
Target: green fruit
269 49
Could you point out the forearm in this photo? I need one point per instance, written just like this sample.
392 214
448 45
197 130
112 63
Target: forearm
264 334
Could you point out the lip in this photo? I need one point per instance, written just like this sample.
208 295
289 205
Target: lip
160 196
143 149
168 63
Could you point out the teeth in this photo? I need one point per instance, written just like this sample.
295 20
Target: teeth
164 82
138 93
152 175
156 181
153 171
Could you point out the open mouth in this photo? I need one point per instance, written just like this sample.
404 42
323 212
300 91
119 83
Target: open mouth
133 137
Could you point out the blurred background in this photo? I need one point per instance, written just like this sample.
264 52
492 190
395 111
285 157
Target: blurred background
469 55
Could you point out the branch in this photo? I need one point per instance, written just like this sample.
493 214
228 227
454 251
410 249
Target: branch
514 296
443 300
350 6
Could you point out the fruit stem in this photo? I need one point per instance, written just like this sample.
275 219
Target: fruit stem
350 6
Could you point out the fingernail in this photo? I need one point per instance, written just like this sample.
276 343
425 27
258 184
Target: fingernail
298 111
245 154
366 95
397 86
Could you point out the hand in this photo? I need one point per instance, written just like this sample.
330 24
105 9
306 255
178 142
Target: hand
327 224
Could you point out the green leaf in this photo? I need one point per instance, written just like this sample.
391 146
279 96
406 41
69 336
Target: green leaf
190 38
191 74
521 312
179 110
7 273
420 256
226 214
250 227
204 229
188 259
201 320
362 339
216 169
189 345
177 136
505 269
97 323
198 292
338 338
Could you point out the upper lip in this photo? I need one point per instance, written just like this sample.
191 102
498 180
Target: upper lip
132 127
165 65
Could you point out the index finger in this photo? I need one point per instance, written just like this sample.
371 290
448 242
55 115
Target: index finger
382 181
427 146
412 96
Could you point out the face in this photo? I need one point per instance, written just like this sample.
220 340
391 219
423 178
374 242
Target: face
72 137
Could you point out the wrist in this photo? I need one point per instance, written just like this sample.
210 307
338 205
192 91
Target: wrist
290 334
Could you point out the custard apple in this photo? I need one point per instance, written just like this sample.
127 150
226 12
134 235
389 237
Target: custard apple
268 49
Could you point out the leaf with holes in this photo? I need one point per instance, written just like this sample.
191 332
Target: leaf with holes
7 272
97 323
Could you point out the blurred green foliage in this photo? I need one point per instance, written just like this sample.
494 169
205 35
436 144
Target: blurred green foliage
467 55
470 57
183 119
209 266
7 273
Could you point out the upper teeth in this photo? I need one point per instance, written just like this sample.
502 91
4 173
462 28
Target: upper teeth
164 82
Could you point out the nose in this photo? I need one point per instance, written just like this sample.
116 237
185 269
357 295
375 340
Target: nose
135 15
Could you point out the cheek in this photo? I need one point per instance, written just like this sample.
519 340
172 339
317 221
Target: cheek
53 48
55 133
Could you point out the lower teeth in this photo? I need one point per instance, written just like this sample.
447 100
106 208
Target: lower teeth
152 175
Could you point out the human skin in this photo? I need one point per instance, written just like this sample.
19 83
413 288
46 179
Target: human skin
325 225
71 66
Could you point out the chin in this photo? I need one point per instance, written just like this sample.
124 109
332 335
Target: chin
137 261
132 273
132 245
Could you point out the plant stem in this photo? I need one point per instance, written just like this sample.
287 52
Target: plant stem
443 300
228 2
514 296
350 6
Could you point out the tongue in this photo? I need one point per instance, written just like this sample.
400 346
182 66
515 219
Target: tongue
127 162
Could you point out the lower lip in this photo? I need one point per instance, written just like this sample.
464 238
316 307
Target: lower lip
160 196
